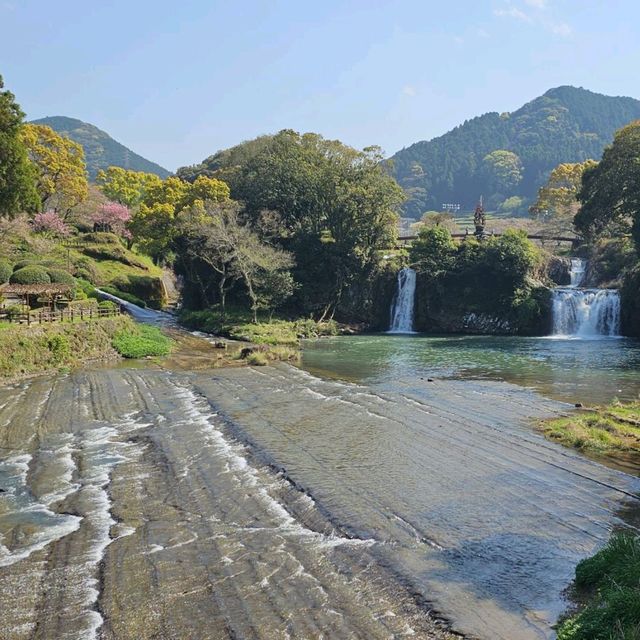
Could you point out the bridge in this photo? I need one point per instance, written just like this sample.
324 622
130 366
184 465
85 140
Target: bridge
404 240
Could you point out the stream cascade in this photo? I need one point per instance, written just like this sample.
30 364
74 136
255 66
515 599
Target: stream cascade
404 301
579 312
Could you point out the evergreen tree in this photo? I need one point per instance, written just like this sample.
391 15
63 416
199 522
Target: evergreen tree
17 175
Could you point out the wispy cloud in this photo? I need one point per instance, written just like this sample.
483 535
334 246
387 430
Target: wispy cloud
409 90
560 29
482 33
513 12
538 15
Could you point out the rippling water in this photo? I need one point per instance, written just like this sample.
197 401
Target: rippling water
587 371
270 502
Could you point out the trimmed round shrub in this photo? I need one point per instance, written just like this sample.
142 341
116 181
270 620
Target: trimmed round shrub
61 277
30 275
23 263
5 271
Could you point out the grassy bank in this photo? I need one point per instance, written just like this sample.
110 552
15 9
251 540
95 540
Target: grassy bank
238 326
608 430
37 349
609 585
139 341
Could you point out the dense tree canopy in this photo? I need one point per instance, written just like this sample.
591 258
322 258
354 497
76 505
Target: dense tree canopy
610 193
566 124
334 208
17 175
557 202
60 168
217 248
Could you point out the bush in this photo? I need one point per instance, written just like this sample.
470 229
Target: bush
5 271
61 277
60 347
612 579
24 263
257 359
86 287
143 341
14 310
30 275
107 304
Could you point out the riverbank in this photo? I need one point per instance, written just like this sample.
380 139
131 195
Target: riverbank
237 325
608 584
611 430
36 349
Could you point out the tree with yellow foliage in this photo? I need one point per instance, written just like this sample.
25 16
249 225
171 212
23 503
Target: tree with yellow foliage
557 202
61 179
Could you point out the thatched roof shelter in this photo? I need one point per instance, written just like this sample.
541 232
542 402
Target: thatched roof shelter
49 290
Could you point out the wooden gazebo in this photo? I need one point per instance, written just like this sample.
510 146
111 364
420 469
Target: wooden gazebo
51 291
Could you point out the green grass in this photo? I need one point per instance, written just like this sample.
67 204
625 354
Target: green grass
606 430
140 341
36 349
275 332
610 583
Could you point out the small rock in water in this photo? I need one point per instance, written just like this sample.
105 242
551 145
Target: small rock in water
578 405
429 379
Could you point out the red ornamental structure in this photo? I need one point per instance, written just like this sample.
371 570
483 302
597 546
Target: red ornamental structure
479 219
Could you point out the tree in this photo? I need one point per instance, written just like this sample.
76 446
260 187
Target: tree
218 238
125 186
433 251
557 202
60 168
438 219
17 176
50 223
112 217
336 206
153 224
610 192
502 171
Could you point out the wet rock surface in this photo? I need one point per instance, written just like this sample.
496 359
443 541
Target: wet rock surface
268 503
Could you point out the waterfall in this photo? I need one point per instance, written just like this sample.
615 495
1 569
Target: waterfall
586 313
402 307
576 272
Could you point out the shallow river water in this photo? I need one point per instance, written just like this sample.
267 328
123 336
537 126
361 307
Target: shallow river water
271 502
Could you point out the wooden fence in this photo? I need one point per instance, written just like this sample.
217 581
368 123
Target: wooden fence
71 314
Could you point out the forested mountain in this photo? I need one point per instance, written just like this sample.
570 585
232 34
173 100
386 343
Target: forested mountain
508 156
100 149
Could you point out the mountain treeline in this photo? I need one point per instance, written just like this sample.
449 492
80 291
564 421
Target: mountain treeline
100 149
507 157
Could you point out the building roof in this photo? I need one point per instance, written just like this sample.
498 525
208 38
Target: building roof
50 289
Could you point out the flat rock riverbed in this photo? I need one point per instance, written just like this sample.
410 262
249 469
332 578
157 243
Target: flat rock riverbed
269 503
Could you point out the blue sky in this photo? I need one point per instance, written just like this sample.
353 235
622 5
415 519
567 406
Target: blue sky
176 81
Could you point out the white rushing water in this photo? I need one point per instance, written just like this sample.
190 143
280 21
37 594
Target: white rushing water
586 313
402 308
577 272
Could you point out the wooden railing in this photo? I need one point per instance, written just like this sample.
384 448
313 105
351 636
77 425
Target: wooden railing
62 315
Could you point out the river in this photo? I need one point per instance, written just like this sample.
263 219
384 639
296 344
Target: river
350 498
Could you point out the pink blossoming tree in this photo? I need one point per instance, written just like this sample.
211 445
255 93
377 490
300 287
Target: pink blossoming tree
112 217
50 222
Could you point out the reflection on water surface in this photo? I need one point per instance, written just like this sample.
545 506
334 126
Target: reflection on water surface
589 371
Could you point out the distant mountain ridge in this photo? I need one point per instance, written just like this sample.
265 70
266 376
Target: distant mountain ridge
100 149
566 124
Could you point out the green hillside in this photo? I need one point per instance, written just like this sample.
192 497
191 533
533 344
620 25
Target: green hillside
100 149
566 124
